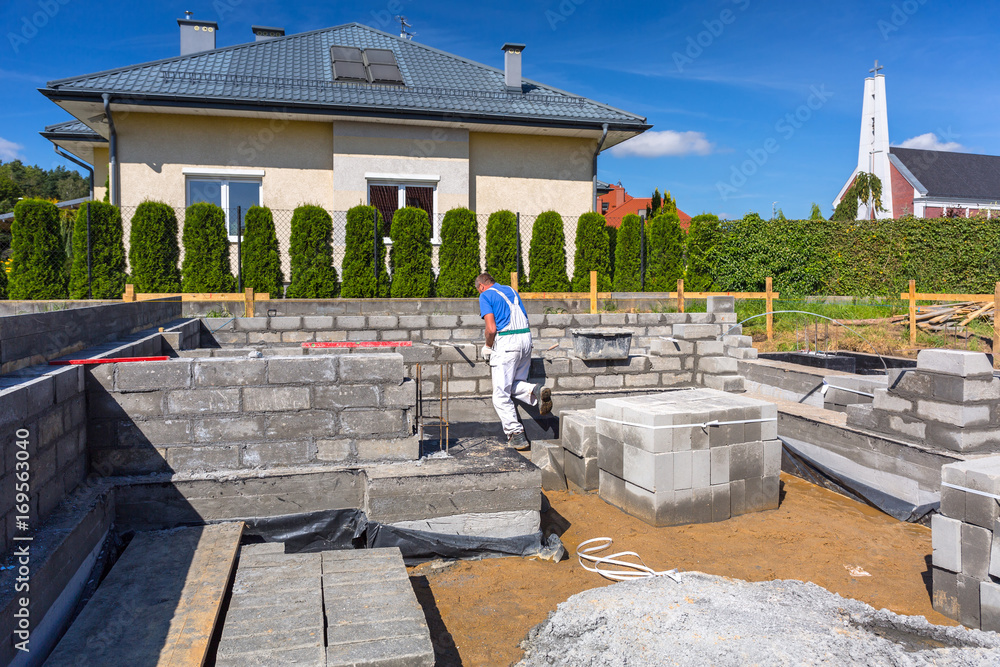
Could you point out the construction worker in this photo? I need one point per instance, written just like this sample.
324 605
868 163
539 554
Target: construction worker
508 352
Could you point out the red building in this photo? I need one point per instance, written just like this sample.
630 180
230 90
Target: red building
614 204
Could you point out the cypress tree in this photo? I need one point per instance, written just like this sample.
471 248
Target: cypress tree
702 236
206 266
458 257
612 233
261 258
592 253
410 257
153 251
502 258
627 265
665 253
358 272
311 251
107 253
547 254
37 254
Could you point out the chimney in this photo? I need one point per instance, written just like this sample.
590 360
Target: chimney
196 36
512 66
264 33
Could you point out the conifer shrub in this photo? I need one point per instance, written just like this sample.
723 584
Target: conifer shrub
261 258
358 269
311 254
3 281
627 260
206 266
37 253
502 258
547 254
665 253
612 233
410 257
458 256
107 253
153 251
702 237
592 253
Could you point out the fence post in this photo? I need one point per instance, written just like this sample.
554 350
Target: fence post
248 302
996 327
239 248
913 313
680 295
513 280
593 292
769 306
129 294
90 278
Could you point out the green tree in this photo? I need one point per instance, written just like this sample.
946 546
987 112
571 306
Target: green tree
592 253
153 251
547 254
656 204
206 266
10 192
627 260
37 254
665 253
311 254
107 253
3 281
702 237
60 183
866 189
816 213
261 257
502 258
358 272
410 257
458 256
612 233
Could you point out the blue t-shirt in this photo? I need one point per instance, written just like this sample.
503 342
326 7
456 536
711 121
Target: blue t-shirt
491 302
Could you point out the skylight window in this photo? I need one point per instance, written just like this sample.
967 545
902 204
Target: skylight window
351 64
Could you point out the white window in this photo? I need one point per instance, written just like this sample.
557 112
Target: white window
390 193
233 195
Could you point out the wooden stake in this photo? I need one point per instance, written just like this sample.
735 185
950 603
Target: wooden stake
513 280
593 292
769 306
913 313
680 295
248 302
129 294
996 327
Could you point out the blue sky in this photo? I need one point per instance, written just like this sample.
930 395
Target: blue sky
720 80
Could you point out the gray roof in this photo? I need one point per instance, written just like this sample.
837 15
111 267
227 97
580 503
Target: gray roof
72 129
952 175
295 72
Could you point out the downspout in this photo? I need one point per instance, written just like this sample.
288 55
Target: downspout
83 164
116 197
600 145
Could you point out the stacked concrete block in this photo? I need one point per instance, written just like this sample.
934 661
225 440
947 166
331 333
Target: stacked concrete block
846 390
688 456
549 457
701 351
966 544
578 429
950 400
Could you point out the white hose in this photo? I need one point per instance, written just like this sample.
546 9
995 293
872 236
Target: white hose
641 569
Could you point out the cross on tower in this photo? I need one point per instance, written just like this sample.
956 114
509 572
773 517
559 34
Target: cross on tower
875 70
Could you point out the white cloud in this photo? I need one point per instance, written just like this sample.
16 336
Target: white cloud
930 142
664 143
9 150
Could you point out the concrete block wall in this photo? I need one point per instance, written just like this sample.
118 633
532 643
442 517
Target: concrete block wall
951 400
211 414
966 544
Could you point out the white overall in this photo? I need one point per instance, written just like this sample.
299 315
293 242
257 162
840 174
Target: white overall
510 362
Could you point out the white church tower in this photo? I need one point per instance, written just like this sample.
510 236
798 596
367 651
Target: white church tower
873 149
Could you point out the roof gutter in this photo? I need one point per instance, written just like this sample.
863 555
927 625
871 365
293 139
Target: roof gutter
600 145
83 164
115 176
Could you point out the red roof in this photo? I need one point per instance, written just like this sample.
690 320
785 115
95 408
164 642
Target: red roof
620 204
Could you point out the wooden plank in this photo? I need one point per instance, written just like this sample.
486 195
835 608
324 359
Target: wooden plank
769 306
513 280
262 296
921 296
996 326
248 302
912 298
129 294
160 602
680 295
593 292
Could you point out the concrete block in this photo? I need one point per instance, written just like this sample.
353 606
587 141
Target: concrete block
443 321
968 601
961 439
247 324
611 488
944 598
334 450
701 469
989 606
772 458
718 365
301 425
956 415
317 322
955 389
908 427
228 429
575 382
721 304
153 432
203 459
653 472
153 375
955 362
742 353
549 457
285 323
746 460
413 322
977 543
946 543
350 322
373 422
610 455
297 337
320 369
720 465
400 396
332 397
909 382
275 454
754 499
578 429
697 331
363 335
721 502
683 470
889 402
369 368
981 511
275 399
728 383
737 341
953 503
581 471
383 322
228 372
201 401
709 348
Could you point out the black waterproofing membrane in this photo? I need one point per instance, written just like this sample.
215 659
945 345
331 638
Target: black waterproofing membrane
801 465
329 530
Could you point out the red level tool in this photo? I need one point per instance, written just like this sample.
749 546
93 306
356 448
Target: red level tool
88 362
365 343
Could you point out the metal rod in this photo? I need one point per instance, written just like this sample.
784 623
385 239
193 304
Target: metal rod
420 412
239 248
447 411
441 406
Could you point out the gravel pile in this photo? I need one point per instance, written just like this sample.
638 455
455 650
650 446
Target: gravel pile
710 620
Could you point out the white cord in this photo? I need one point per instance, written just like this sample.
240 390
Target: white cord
714 422
967 490
641 569
827 386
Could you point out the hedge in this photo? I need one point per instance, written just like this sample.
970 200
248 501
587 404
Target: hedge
628 273
206 266
664 253
107 253
702 237
410 257
311 254
3 281
458 256
547 254
153 251
502 258
358 275
592 253
261 258
612 233
37 253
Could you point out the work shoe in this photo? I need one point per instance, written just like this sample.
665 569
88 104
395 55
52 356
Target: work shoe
518 441
544 401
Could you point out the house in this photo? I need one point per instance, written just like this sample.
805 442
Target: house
924 183
615 204
336 117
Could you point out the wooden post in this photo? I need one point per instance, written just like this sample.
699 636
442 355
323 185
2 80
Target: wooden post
913 313
769 307
593 292
996 327
513 280
680 295
129 294
248 302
